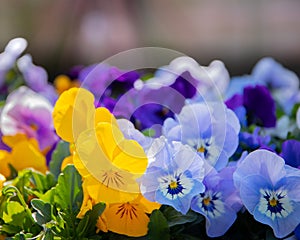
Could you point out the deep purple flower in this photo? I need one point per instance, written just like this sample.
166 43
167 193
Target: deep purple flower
291 152
260 106
148 108
258 103
107 83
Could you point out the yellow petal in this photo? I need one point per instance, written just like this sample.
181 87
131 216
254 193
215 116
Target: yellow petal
73 113
13 140
5 159
68 160
26 155
131 157
128 219
102 223
146 205
101 193
103 115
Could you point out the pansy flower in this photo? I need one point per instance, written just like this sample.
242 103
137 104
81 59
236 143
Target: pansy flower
29 113
219 203
110 163
174 175
269 190
127 218
25 153
211 129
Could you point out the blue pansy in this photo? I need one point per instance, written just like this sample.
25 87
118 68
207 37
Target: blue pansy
219 203
174 175
270 190
211 129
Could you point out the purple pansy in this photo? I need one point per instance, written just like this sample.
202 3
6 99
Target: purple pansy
270 190
174 175
283 83
219 203
258 103
107 83
211 129
31 114
291 152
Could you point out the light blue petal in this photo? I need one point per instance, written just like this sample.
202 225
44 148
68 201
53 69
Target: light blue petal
250 190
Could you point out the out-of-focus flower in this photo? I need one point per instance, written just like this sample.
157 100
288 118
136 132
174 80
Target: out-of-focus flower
211 129
174 175
36 78
107 83
128 218
291 152
12 51
24 154
63 83
148 107
258 103
219 203
283 83
270 190
210 82
31 114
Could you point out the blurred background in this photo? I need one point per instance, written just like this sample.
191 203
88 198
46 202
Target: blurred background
63 33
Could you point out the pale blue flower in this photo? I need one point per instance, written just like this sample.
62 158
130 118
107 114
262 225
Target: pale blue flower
211 129
219 203
174 175
270 190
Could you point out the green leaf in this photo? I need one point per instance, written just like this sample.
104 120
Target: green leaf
158 226
61 151
14 213
87 225
43 182
44 211
68 191
174 217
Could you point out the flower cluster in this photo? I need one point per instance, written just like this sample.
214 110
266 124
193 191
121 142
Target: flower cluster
179 152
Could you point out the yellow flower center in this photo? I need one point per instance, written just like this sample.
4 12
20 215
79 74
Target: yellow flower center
201 149
273 202
173 185
206 201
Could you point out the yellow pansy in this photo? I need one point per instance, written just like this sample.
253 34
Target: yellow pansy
73 113
128 218
24 154
109 163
